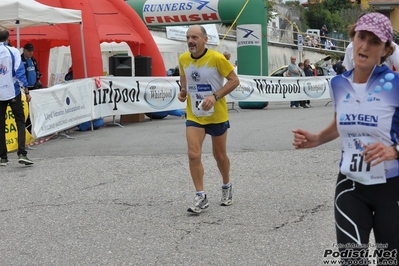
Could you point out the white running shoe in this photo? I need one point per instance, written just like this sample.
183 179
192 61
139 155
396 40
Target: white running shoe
200 204
227 196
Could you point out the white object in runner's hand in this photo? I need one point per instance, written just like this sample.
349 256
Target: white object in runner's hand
200 106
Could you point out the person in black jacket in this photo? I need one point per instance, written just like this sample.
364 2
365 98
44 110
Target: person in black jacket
338 67
308 73
323 35
32 73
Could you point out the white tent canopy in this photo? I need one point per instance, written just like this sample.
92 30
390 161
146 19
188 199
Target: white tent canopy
31 13
26 13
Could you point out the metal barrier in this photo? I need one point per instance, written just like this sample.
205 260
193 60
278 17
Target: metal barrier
283 36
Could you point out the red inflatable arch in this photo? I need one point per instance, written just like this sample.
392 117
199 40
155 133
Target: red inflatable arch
103 21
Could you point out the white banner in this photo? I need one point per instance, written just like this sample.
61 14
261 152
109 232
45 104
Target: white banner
134 95
249 35
179 33
269 89
69 104
60 107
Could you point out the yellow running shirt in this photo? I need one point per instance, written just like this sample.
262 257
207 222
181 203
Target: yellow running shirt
205 76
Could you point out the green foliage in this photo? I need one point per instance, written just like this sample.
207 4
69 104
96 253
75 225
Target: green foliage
396 36
293 3
338 15
349 16
317 16
336 5
336 23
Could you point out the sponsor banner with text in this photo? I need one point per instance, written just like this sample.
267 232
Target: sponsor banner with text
61 107
134 95
180 12
66 105
257 88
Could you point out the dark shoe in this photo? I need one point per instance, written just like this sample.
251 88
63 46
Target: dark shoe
23 159
3 162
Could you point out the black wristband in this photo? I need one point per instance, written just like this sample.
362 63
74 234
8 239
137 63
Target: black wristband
217 98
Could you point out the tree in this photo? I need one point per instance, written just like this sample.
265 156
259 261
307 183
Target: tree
317 16
336 5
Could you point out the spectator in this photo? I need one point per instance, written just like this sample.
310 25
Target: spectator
316 42
307 68
202 78
338 67
32 73
301 68
294 71
12 75
69 75
176 72
328 44
330 70
323 35
227 55
332 46
308 41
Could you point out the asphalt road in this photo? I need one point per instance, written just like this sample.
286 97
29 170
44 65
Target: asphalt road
118 196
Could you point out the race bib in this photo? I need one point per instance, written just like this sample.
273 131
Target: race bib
353 165
198 93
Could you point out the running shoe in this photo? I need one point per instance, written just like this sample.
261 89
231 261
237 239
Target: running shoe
23 159
200 204
3 162
227 196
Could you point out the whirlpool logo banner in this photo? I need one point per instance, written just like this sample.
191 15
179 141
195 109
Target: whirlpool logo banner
133 95
66 105
256 88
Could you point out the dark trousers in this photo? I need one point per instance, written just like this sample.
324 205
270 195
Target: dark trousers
360 209
18 111
323 42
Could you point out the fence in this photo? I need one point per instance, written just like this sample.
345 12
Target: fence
277 35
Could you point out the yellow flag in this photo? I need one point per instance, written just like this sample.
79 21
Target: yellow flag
11 127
